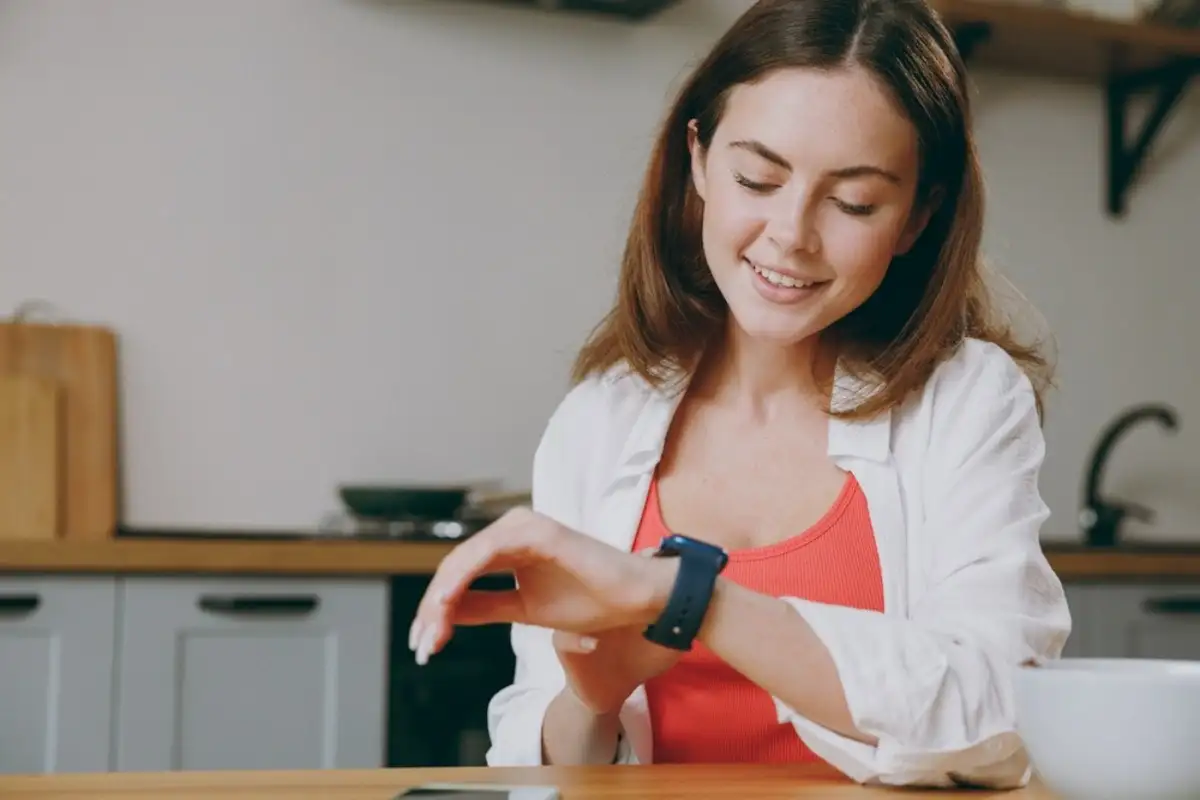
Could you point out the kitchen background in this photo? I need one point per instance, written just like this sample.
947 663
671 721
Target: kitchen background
360 240
312 223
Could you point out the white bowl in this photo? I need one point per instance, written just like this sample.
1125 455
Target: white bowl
1113 729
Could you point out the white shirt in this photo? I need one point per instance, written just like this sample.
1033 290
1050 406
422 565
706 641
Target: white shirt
951 481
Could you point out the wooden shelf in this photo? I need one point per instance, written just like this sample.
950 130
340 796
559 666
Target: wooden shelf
1128 58
1056 42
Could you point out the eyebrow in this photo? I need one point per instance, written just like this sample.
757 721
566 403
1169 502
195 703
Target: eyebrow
857 171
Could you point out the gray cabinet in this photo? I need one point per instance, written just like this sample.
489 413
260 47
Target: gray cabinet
251 674
1077 598
1159 620
56 658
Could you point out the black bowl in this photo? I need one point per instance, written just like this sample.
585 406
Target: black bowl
405 502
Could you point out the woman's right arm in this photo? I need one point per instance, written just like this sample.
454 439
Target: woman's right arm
536 720
573 734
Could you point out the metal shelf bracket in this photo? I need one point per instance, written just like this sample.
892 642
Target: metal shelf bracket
969 35
1125 157
1125 154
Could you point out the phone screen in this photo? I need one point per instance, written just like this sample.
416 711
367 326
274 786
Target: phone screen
451 792
458 794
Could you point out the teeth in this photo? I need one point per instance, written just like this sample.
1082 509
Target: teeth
779 279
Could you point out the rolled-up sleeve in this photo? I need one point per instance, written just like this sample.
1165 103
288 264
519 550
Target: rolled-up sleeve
516 712
934 686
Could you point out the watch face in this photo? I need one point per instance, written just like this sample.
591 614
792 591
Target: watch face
677 543
673 545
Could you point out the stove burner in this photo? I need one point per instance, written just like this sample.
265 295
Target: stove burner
348 525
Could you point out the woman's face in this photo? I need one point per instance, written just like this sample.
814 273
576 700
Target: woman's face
808 187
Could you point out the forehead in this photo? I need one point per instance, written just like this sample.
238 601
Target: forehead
820 118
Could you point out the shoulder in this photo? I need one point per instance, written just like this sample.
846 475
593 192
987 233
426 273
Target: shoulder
584 441
979 377
978 405
594 420
602 406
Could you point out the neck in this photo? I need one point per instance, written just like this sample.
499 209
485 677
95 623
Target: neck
765 378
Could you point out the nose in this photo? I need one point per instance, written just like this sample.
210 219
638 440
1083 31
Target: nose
792 225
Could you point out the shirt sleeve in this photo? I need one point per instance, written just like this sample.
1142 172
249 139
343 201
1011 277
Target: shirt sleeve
935 687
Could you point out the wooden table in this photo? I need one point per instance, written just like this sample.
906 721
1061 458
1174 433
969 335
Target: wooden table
576 783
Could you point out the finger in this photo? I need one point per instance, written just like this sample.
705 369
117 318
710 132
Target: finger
495 548
422 638
575 643
457 570
488 608
499 546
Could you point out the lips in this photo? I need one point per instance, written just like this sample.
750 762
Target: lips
782 289
781 279
784 280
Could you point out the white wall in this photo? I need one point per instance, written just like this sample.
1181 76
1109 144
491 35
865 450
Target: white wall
360 240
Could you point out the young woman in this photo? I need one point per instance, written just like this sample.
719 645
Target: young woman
804 376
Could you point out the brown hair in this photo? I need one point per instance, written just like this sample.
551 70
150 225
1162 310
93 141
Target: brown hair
668 307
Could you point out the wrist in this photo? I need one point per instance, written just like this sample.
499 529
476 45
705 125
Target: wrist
715 605
598 713
659 583
681 591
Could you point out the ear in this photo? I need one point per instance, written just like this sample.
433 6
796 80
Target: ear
917 221
699 180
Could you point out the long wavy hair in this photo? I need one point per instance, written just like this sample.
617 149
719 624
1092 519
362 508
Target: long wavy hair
668 308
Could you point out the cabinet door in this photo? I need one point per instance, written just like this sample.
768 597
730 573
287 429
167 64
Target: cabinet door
1140 620
1077 601
56 663
251 674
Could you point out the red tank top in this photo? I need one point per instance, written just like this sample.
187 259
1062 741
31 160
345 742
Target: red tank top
702 710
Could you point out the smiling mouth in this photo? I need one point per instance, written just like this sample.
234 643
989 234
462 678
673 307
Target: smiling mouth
783 281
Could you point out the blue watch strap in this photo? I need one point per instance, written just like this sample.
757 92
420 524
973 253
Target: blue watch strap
699 565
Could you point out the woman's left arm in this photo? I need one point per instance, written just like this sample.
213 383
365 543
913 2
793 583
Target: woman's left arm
926 698
796 668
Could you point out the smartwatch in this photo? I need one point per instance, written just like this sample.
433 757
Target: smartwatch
699 565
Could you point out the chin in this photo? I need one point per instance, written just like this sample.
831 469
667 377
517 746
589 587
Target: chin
761 328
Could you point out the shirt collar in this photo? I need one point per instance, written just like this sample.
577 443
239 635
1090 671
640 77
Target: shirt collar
869 439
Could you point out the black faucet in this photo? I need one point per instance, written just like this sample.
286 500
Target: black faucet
1101 519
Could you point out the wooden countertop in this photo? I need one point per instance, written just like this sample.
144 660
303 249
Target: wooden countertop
346 558
331 557
1076 563
762 782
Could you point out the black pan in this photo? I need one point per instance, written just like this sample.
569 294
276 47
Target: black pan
405 502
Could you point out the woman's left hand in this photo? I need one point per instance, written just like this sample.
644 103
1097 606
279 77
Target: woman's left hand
566 581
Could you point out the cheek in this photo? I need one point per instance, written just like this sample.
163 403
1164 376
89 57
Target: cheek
731 222
860 253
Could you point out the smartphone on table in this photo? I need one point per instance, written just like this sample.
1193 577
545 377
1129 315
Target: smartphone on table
478 791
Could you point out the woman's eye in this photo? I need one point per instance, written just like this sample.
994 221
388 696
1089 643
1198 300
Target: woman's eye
854 209
754 186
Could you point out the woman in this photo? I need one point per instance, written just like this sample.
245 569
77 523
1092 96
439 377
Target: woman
805 375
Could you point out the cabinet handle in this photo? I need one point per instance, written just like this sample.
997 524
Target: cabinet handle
259 604
1172 605
18 604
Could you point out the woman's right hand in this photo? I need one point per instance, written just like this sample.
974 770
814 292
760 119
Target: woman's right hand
602 670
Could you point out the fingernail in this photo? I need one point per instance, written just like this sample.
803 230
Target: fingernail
425 646
587 643
414 634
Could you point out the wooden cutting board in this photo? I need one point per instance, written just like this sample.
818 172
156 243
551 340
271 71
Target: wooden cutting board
81 361
29 457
